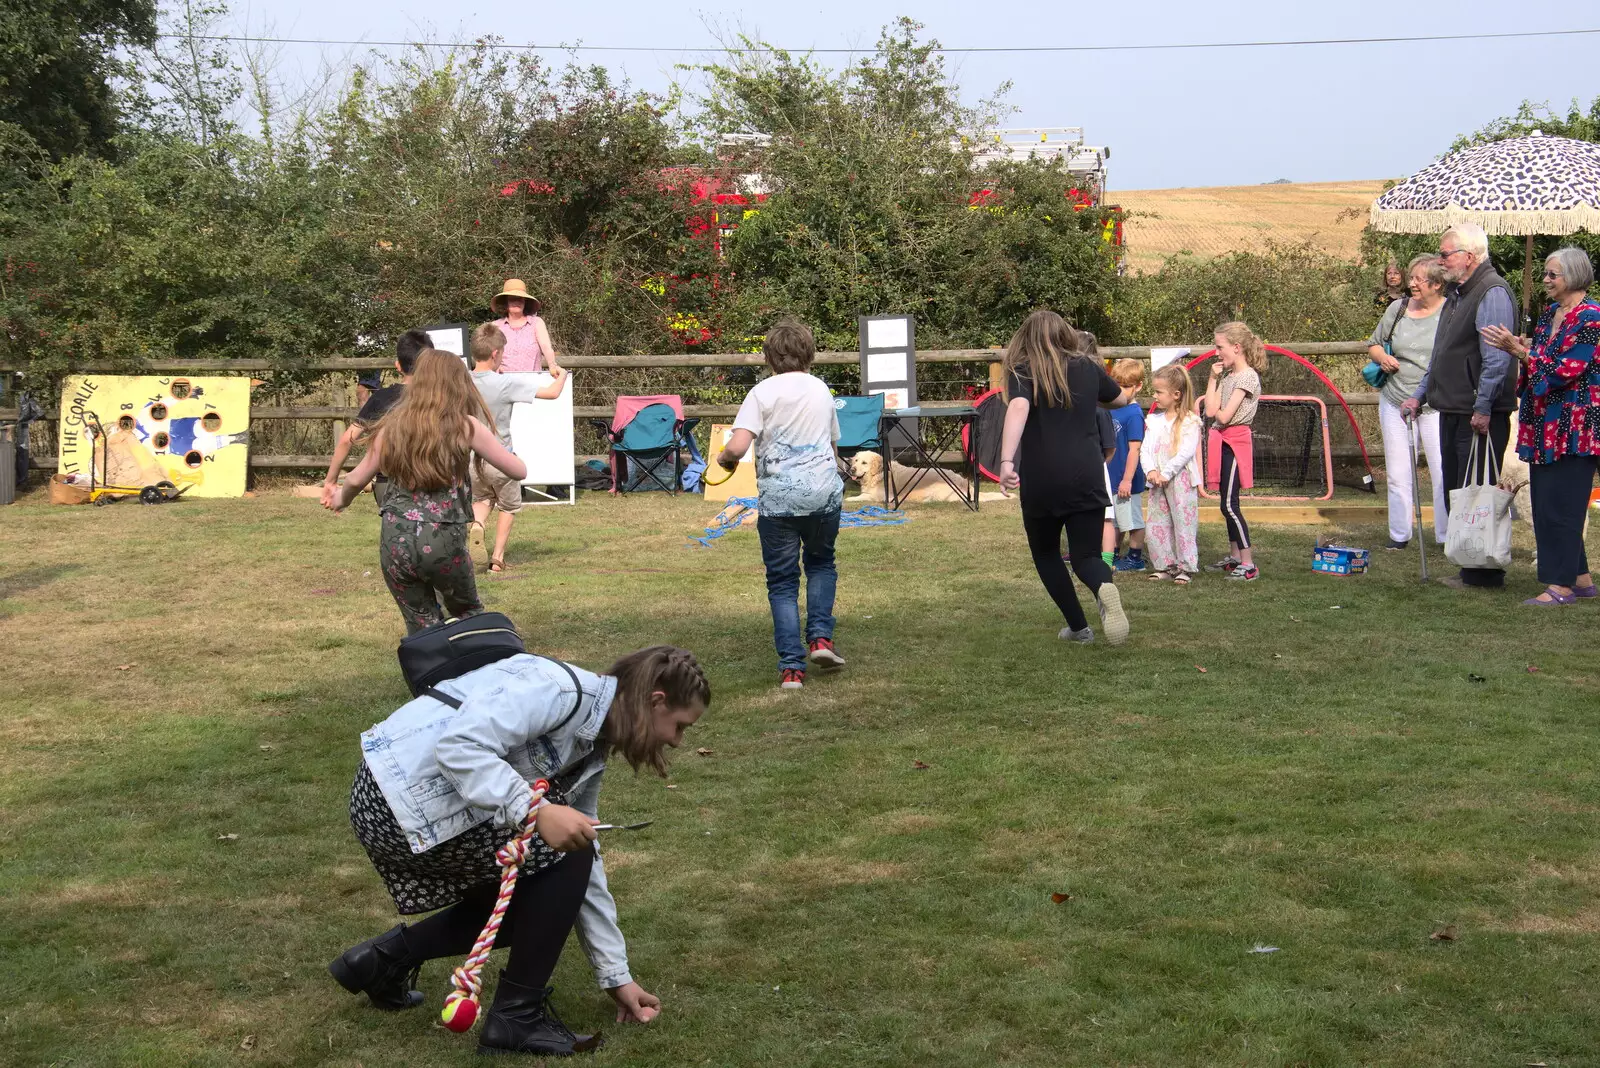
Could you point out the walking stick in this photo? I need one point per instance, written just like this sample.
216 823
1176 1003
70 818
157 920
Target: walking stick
461 1004
1416 495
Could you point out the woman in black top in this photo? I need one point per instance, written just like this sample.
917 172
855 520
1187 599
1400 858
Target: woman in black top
1050 448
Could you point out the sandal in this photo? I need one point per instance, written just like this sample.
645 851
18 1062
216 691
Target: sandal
1180 579
497 564
1160 576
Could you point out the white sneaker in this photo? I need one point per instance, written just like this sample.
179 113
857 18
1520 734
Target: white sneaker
1081 637
1112 618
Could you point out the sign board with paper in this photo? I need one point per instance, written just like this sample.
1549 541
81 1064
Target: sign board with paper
742 483
448 337
889 363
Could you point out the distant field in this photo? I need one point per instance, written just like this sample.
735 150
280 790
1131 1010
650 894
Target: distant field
1223 219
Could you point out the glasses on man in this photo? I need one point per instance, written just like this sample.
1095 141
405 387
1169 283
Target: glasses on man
1446 254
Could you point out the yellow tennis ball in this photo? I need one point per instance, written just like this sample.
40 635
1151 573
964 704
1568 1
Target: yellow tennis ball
460 1012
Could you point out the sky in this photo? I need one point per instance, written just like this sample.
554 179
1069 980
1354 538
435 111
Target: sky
1204 117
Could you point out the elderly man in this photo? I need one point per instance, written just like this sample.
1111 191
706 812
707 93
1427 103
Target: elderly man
1470 383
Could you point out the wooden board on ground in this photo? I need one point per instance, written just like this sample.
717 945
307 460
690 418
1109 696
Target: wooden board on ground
743 481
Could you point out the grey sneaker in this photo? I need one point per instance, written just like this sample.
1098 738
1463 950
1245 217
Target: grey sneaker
1227 563
1112 618
1082 637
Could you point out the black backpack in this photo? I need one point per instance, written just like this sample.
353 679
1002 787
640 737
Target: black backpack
450 649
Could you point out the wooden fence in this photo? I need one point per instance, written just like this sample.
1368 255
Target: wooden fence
44 429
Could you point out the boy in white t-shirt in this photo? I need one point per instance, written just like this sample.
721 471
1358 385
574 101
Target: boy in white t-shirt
792 421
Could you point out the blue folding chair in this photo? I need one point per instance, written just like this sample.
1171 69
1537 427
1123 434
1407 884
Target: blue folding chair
648 447
860 428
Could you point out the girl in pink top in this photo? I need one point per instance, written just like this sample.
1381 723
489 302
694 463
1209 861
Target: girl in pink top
528 346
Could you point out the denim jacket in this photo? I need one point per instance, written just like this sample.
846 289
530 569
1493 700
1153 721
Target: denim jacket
444 770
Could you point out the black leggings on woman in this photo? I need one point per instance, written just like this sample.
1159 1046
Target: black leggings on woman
1083 545
1238 531
550 898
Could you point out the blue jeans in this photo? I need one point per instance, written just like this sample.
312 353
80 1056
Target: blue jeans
786 542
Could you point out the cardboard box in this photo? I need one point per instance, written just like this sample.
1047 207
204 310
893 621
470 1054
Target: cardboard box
1339 560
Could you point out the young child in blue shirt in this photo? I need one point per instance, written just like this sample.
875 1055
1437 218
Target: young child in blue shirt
1124 469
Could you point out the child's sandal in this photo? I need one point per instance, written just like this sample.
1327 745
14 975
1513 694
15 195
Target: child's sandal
1159 576
1180 579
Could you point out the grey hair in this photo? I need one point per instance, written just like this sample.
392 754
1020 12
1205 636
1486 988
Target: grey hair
1576 270
1470 238
1432 266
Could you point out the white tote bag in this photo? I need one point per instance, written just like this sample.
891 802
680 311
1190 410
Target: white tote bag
1479 534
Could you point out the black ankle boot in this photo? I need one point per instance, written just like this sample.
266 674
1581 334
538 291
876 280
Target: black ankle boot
522 1021
381 968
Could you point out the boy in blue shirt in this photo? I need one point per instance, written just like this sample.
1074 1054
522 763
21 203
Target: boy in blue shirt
1124 469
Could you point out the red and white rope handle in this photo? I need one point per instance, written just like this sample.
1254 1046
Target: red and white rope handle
461 1004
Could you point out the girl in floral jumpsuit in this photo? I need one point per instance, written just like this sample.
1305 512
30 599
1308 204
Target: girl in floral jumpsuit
424 445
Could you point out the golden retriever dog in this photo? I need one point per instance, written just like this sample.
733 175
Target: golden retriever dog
867 469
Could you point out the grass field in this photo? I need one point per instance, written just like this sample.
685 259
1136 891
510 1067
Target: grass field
1215 221
1362 763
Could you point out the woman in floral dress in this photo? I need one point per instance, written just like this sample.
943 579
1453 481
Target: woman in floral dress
424 445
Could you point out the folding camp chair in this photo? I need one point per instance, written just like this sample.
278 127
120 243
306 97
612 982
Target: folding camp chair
860 422
646 434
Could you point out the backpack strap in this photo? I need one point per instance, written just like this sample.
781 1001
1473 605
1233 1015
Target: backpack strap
577 703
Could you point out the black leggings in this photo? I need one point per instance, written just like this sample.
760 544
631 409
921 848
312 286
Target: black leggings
1238 530
1083 545
551 899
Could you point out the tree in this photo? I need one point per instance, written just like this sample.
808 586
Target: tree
57 62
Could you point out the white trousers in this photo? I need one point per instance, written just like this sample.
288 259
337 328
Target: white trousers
1403 477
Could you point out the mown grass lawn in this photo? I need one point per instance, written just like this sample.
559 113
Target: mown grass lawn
1362 763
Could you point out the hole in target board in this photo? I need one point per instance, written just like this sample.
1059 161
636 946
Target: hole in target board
124 422
180 389
212 422
158 412
192 458
161 440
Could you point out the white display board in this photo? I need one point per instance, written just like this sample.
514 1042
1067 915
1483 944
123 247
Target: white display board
541 435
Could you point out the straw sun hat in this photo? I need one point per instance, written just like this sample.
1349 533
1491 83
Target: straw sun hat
514 287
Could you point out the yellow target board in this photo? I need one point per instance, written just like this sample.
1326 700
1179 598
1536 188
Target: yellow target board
192 432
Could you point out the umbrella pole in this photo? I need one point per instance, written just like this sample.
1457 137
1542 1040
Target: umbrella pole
1527 286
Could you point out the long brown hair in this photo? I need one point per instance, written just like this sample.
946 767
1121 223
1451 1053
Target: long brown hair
1039 350
427 436
1176 376
1255 351
628 728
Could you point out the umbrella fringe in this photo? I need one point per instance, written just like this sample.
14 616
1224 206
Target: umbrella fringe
1500 223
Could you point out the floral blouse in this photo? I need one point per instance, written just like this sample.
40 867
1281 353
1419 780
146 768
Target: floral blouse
1560 387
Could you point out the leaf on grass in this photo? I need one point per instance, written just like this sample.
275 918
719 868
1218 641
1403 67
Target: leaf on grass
703 751
1059 898
1447 933
1533 669
265 748
1200 669
1477 678
1294 619
917 765
672 786
249 1043
124 667
1263 949
227 838
1335 607
322 591
1277 656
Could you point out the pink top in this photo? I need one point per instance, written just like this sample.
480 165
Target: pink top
522 345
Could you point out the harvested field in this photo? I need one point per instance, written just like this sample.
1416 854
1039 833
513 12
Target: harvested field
1238 218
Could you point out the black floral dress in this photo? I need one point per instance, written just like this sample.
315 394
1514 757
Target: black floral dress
422 548
441 876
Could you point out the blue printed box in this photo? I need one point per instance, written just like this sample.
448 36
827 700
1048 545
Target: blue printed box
1339 560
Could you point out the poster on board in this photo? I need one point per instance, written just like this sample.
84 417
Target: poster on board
192 432
541 435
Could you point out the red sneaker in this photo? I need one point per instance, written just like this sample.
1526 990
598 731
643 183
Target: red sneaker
823 654
791 679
